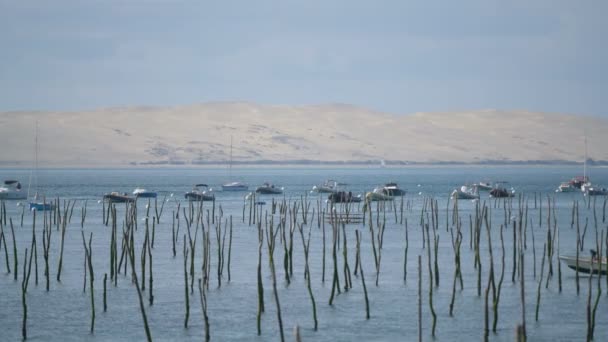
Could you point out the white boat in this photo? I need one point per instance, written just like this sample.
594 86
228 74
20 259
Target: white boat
328 187
484 186
589 190
269 189
392 189
233 185
143 193
584 263
465 193
378 194
11 190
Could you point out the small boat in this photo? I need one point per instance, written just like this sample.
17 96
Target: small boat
393 190
584 263
11 190
36 204
143 193
343 197
198 194
328 187
117 197
484 186
589 190
500 191
41 206
378 194
566 187
269 189
465 193
235 186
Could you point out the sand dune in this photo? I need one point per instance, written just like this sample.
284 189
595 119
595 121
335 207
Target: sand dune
201 133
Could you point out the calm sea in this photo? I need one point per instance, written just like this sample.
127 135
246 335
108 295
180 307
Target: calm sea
63 313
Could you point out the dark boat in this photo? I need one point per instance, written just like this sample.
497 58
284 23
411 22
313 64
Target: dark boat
500 191
343 197
268 189
117 197
197 194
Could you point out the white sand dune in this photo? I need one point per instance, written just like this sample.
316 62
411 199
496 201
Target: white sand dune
124 136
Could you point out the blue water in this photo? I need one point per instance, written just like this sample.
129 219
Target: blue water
64 312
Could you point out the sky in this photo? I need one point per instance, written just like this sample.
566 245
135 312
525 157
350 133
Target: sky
393 56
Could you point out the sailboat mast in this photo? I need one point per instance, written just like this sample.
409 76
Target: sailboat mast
36 161
230 165
585 162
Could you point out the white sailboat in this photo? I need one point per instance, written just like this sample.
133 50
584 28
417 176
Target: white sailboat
233 185
39 202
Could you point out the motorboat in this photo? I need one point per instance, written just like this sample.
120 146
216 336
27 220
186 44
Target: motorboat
465 193
585 263
118 197
378 194
500 191
235 186
343 197
393 190
269 189
11 190
41 206
328 187
484 186
199 193
143 193
566 187
589 190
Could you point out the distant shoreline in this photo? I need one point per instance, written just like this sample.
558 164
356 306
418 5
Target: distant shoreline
306 163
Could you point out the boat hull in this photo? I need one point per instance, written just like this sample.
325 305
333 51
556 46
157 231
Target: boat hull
235 187
199 197
464 195
41 206
343 197
268 191
12 195
114 198
146 195
584 264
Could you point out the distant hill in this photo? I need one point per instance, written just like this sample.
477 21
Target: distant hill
315 134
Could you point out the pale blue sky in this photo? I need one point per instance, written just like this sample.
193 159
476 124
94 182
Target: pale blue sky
394 56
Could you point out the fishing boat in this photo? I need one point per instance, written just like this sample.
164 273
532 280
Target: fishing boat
585 263
343 197
11 190
143 193
500 191
38 204
328 187
465 193
118 197
233 185
198 193
269 189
